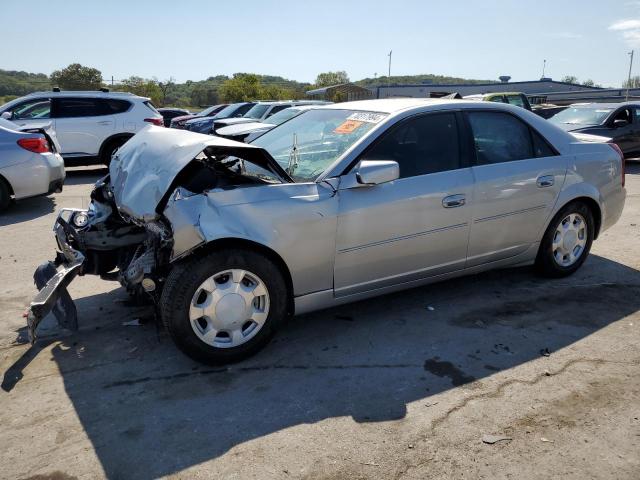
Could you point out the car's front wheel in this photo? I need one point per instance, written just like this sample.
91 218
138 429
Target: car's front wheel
224 306
567 241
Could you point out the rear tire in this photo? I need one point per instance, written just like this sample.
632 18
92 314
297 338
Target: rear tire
566 242
5 195
224 306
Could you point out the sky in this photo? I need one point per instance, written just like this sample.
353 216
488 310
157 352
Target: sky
195 39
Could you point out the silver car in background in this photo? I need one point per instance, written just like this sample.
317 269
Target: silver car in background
338 204
30 163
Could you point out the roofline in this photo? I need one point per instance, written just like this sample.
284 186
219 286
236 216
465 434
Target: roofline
492 84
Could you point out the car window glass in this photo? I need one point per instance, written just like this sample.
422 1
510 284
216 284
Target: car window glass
421 145
498 99
111 106
540 146
624 114
277 108
40 108
515 100
499 137
78 107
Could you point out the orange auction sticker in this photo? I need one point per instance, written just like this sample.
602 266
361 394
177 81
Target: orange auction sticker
348 126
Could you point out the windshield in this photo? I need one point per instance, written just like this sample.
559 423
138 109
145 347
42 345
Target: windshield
228 110
283 115
307 144
582 115
207 111
257 111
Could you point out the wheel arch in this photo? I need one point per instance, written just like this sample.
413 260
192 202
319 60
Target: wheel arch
8 184
235 243
593 205
109 140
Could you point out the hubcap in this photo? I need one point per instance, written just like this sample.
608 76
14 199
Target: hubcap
569 240
229 308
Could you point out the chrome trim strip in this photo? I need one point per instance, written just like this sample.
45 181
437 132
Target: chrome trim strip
404 237
517 212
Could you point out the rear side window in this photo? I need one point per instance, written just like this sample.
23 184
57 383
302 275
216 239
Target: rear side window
499 137
112 106
151 106
421 145
77 107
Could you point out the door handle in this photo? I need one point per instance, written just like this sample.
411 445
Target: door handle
453 201
545 181
105 122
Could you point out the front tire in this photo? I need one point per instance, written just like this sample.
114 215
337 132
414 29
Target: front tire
224 306
567 241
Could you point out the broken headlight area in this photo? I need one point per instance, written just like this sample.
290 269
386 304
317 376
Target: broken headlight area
99 241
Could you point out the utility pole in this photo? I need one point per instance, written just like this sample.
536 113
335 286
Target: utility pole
544 67
626 98
389 75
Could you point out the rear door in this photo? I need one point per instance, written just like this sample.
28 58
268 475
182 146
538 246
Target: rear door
82 124
518 177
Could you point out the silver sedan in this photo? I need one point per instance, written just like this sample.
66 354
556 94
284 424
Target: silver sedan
30 164
338 204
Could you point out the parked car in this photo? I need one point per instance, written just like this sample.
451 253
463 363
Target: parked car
518 99
341 203
178 122
547 110
203 124
618 121
30 164
170 113
246 132
261 111
89 126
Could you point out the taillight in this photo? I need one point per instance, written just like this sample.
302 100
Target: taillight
36 145
156 121
622 160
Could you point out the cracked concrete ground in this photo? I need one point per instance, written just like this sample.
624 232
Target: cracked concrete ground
386 388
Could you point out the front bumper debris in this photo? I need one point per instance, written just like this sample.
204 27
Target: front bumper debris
52 279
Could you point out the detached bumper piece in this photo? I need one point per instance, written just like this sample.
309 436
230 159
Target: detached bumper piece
52 279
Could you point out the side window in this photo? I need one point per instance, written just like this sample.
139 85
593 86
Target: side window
40 108
111 106
421 145
77 107
497 99
242 110
276 109
499 137
540 146
624 114
515 100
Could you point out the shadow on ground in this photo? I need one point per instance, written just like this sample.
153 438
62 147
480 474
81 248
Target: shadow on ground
149 411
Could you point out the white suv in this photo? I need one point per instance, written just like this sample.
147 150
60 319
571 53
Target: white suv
90 126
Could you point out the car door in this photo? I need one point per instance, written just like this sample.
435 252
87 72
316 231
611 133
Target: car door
416 226
82 124
518 177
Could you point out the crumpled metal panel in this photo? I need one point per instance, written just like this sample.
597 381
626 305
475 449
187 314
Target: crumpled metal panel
297 221
143 168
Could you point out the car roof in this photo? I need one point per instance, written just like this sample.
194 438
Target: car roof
82 93
393 105
605 105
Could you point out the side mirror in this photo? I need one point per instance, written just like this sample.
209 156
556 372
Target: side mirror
619 123
6 115
375 172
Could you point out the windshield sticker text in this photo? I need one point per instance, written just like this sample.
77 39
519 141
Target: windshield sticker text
368 117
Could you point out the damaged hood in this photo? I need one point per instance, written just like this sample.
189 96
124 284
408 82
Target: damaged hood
143 169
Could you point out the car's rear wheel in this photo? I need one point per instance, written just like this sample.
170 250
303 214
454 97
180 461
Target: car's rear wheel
224 306
567 241
5 195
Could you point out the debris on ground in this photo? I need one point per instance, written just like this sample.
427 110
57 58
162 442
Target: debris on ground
546 440
491 439
132 323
